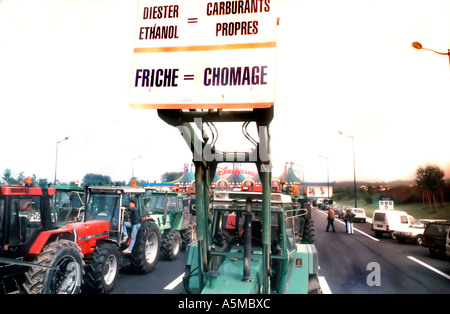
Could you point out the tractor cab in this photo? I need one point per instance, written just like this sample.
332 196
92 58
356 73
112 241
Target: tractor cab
69 203
173 213
170 202
104 203
22 216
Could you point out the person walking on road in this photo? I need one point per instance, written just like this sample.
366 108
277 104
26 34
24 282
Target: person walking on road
330 218
349 221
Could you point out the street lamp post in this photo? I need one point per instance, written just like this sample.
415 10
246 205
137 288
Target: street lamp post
56 159
132 167
417 45
354 167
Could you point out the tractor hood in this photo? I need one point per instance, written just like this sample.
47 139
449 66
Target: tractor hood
229 278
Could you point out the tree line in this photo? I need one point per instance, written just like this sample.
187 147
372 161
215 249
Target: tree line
429 187
430 180
88 179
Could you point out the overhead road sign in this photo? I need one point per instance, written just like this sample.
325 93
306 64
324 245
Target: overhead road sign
202 54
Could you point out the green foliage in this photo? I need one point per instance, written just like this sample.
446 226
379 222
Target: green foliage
96 179
170 176
88 179
430 178
404 194
9 179
367 197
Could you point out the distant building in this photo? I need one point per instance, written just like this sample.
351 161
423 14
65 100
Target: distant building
231 176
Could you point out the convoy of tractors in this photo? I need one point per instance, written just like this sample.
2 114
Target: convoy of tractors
70 239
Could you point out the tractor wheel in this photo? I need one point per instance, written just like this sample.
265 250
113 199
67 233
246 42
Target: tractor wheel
64 255
309 234
144 256
170 246
102 268
188 235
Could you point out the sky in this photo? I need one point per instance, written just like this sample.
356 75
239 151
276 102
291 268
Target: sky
341 66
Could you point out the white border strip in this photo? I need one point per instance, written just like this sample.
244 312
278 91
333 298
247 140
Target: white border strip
324 285
174 283
437 271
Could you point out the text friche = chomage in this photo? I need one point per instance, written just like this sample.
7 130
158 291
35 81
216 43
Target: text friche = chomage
217 76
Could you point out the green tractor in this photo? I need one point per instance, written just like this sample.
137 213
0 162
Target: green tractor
235 253
248 243
173 214
304 225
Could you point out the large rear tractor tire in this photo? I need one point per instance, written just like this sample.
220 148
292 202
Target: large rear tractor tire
144 256
171 245
102 269
309 233
65 256
189 235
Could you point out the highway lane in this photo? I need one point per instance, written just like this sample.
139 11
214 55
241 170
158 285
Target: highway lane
165 279
360 263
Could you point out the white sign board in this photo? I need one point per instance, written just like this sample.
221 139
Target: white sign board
386 203
200 54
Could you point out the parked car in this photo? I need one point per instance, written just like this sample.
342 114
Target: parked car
415 231
435 237
319 202
389 221
360 214
342 211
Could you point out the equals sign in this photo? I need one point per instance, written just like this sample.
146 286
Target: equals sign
189 77
192 20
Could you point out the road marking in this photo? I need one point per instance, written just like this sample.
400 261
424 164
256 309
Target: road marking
324 285
174 283
437 271
369 236
354 229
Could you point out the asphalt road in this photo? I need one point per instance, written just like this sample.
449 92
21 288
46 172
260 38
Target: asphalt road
349 264
360 263
165 279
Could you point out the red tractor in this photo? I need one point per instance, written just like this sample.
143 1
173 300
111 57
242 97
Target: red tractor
37 256
104 204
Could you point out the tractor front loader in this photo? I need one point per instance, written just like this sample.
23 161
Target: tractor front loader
245 243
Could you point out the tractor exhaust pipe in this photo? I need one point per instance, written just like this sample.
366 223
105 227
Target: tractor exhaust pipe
247 239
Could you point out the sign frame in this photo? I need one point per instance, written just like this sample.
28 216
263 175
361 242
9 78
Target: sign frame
204 69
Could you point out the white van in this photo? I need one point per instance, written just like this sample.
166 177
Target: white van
389 221
360 214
